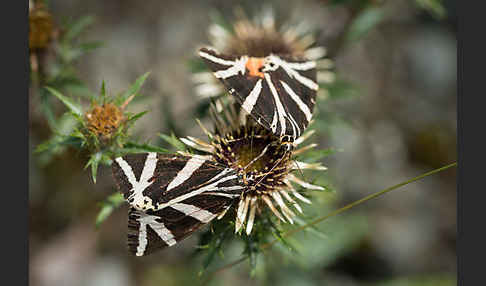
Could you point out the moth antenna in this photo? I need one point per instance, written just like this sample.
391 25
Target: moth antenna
275 165
257 157
300 170
251 140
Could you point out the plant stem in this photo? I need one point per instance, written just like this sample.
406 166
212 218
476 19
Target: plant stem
360 201
333 213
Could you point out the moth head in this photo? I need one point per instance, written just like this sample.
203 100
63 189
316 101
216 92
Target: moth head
257 66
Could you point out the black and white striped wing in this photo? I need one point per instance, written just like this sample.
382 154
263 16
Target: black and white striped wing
152 181
281 99
152 231
171 196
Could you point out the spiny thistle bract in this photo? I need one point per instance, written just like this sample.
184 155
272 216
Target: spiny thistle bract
259 38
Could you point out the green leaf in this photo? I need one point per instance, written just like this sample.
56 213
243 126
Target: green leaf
174 141
215 247
79 119
66 123
134 88
50 144
108 206
46 107
78 135
366 20
68 82
103 91
94 161
77 27
57 141
132 147
74 107
104 213
132 118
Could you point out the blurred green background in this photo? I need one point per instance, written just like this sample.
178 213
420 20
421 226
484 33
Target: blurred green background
391 113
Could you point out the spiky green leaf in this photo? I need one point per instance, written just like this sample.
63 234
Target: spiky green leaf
73 106
132 118
134 88
94 162
75 28
108 206
103 91
173 141
132 147
365 22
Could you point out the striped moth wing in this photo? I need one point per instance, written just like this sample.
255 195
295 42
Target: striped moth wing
278 91
171 196
154 230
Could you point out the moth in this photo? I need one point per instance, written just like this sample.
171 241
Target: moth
171 196
278 91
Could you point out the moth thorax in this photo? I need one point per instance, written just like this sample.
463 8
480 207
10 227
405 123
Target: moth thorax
255 66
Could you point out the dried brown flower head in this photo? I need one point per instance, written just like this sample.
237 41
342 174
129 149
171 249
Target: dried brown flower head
104 120
40 27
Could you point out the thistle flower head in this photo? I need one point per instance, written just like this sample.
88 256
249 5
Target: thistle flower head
260 38
264 161
104 120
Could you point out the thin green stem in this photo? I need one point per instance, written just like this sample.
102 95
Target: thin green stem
334 213
360 201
